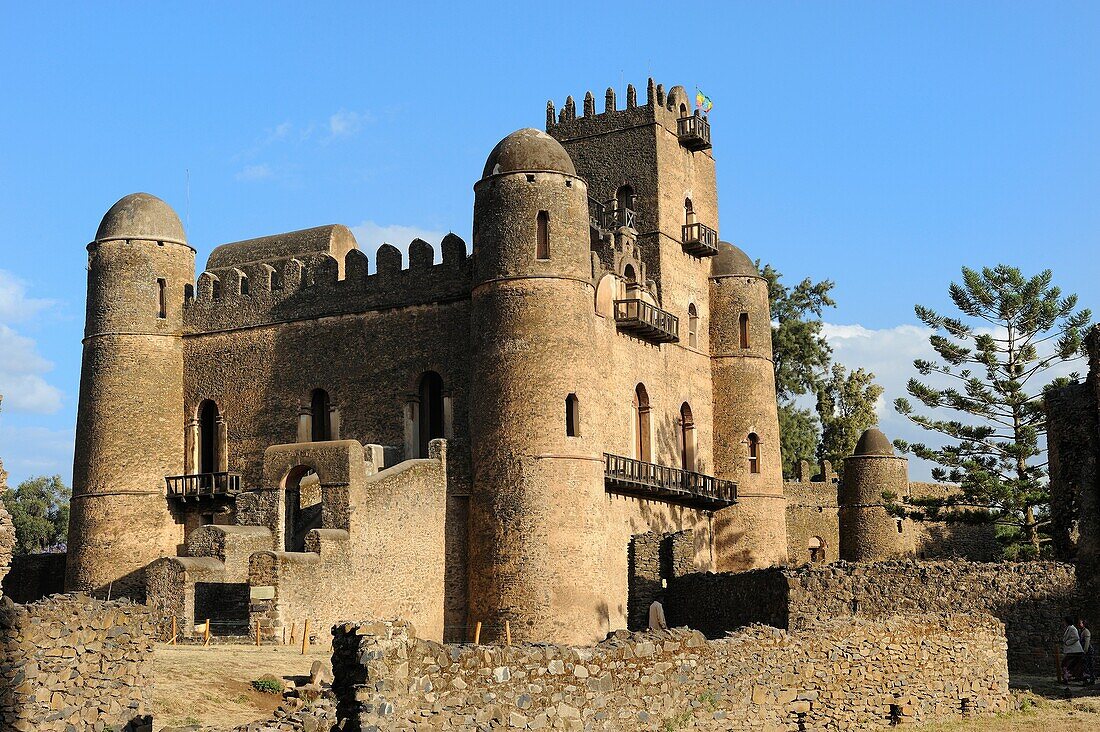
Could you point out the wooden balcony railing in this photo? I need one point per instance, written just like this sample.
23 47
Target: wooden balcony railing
610 216
203 485
694 132
660 482
646 321
700 240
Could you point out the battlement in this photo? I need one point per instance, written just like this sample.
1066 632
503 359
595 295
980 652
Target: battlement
313 285
665 109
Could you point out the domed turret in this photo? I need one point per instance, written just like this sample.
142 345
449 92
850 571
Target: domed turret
528 150
873 442
141 216
731 262
129 424
867 531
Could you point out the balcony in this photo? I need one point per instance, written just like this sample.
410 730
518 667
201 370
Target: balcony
694 132
646 321
203 485
699 240
659 482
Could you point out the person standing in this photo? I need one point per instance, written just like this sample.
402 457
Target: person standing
657 615
1089 658
1072 655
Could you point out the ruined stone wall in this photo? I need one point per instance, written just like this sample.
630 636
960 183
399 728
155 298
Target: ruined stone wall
812 511
72 662
34 576
1029 597
844 673
653 560
389 561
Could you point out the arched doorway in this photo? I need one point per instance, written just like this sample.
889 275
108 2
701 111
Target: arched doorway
641 424
817 549
303 506
687 438
208 437
431 425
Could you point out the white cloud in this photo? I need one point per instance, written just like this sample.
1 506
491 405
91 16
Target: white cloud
256 173
21 366
14 304
346 124
371 235
30 451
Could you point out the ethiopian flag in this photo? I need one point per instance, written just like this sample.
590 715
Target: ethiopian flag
703 102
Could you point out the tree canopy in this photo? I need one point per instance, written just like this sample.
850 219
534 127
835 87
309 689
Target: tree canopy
39 509
989 377
846 407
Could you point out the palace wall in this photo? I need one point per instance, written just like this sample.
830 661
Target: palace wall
848 673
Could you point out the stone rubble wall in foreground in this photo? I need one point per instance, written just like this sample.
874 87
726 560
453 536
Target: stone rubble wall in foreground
849 673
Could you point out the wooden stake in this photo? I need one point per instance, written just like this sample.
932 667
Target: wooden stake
305 637
477 634
293 629
507 633
1058 662
206 633
257 631
173 630
284 635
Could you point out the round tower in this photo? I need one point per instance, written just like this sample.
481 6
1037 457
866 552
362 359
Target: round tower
538 493
867 532
746 420
129 425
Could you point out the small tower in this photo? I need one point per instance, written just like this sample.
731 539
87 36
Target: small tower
537 492
867 532
130 422
746 421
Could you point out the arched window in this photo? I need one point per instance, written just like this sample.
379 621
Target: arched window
162 298
303 507
216 289
743 329
754 453
641 424
188 292
683 110
572 416
628 273
431 410
276 280
320 409
542 236
624 197
817 549
244 286
689 211
687 438
208 437
693 326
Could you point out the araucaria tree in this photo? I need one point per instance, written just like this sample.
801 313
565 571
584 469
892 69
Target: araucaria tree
992 366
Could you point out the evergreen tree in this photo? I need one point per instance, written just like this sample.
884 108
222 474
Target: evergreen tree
801 355
993 363
39 510
846 406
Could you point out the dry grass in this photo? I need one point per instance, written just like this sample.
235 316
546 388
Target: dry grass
1042 705
212 686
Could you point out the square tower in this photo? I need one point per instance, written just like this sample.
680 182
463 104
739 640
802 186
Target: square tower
648 167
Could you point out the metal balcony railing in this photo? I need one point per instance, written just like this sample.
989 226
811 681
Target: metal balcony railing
203 485
694 132
660 482
646 321
699 240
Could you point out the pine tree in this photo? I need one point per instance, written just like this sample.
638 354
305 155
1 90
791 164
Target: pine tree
994 362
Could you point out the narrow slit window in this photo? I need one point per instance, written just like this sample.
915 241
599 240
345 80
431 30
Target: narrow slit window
693 326
244 285
216 290
162 298
188 292
542 236
754 453
572 416
276 280
743 329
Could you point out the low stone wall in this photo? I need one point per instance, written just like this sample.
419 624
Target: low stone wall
34 576
846 673
74 663
1029 597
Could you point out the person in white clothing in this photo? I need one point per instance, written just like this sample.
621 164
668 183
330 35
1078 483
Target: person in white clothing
657 616
1072 653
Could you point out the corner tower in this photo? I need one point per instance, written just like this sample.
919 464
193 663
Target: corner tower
129 427
746 419
537 495
867 532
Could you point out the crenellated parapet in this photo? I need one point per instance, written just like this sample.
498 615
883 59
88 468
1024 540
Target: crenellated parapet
665 109
318 284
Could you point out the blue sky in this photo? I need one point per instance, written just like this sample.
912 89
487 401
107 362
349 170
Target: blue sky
882 145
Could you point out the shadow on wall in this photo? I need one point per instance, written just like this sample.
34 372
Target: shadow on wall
34 576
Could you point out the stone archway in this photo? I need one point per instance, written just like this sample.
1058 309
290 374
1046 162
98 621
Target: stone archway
302 506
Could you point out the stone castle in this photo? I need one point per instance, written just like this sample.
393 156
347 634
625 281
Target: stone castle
479 438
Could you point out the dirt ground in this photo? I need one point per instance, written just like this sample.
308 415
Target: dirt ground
212 686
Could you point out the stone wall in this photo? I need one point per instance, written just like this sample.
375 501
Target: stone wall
72 662
849 673
34 576
653 559
1029 597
